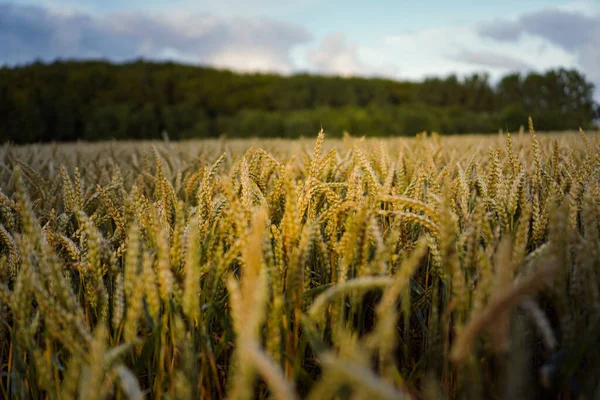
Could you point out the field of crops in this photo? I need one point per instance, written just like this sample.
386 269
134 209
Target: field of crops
423 268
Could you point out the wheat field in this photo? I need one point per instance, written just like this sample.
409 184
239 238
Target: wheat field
422 268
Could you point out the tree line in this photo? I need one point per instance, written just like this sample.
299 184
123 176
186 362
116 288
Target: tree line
97 100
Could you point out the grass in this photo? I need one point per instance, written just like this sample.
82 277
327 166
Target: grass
424 268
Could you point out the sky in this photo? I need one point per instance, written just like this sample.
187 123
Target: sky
385 38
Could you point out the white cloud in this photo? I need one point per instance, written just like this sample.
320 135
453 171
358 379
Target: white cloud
335 55
462 50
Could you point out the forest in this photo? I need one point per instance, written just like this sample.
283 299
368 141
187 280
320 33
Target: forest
98 100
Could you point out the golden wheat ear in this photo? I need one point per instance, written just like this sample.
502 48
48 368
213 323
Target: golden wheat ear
289 269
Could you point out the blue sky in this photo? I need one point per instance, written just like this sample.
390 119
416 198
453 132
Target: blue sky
397 39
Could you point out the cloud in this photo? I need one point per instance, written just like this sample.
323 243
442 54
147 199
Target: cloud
246 44
491 59
566 29
573 31
335 55
460 50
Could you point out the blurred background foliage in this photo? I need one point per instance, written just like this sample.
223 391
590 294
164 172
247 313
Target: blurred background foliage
95 100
